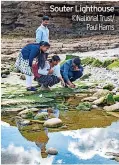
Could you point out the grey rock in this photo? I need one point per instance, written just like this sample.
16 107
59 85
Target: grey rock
4 76
22 77
114 107
52 151
53 123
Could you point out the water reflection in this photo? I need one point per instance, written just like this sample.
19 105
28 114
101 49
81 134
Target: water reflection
84 146
86 143
41 142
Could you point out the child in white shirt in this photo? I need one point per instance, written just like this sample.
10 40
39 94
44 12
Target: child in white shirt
52 67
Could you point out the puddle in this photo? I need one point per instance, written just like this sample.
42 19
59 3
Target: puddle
82 146
84 138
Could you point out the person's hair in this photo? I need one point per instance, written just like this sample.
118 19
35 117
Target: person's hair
41 60
44 43
55 58
77 61
45 18
42 57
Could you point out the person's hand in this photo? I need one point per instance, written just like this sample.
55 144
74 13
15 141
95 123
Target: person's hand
50 71
76 68
72 85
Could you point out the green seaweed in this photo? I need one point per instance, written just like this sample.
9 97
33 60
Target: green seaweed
97 63
85 106
109 87
70 56
114 65
110 100
106 63
116 97
87 60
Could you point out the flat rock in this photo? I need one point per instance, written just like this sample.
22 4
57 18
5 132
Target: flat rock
14 109
101 92
89 99
53 123
52 151
114 107
99 101
27 110
81 95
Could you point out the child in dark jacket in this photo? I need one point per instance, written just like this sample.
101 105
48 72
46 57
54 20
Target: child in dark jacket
25 60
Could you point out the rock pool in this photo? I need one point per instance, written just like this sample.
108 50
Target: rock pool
82 146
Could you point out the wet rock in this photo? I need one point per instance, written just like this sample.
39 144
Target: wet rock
53 123
94 106
37 121
64 127
81 95
86 106
27 110
41 116
28 114
14 109
100 93
6 72
109 87
22 122
4 76
25 122
22 77
99 101
52 151
114 107
89 99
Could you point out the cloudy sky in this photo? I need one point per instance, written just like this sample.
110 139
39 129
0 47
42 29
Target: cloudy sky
86 146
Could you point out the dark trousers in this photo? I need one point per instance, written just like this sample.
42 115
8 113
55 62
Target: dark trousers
73 76
48 80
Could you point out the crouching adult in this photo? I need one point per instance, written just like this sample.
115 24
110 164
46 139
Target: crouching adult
71 70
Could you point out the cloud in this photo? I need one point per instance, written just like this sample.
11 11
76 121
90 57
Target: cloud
86 143
17 155
4 124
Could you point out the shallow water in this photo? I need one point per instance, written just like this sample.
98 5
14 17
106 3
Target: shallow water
85 137
82 146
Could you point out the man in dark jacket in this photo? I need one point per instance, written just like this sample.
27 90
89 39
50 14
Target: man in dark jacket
71 70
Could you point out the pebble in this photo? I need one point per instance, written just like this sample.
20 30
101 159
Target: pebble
94 106
22 77
53 123
102 75
52 151
4 76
